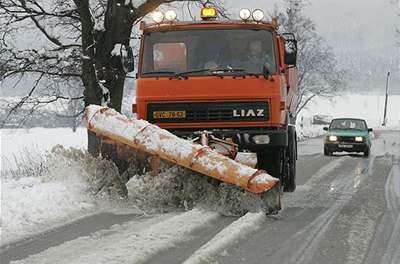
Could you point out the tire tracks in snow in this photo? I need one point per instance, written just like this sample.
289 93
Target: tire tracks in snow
307 240
248 224
134 243
245 225
392 196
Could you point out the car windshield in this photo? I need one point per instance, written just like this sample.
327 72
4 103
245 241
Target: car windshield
348 124
202 51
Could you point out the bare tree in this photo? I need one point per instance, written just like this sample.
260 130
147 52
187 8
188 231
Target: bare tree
80 42
318 71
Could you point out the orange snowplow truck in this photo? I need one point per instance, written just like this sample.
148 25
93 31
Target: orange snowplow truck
229 84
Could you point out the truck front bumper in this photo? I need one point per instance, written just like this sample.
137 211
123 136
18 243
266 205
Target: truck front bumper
249 139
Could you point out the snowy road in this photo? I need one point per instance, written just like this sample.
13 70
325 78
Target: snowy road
346 209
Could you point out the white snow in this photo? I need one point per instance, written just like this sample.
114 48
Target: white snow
31 204
119 50
235 231
37 141
135 3
369 107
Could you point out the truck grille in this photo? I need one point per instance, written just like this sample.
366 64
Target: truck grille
208 112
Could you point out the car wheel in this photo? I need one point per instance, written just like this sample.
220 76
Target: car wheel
327 152
366 153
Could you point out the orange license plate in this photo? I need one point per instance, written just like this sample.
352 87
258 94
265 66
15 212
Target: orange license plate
169 114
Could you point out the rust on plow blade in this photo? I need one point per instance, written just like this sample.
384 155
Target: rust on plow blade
146 137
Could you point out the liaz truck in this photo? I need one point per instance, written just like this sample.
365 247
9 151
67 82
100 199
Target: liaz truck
234 80
224 87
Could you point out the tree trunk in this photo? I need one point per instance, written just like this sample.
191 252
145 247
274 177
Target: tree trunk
92 93
98 64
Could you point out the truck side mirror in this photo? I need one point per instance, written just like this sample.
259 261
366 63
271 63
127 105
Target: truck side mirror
290 49
370 129
325 128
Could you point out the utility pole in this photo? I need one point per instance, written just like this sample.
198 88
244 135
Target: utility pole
386 99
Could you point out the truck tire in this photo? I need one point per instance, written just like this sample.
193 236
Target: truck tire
289 179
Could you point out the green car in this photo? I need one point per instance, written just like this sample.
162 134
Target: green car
347 134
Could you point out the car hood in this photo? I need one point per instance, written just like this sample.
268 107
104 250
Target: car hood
347 132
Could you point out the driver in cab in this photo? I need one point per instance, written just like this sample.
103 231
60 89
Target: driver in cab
257 57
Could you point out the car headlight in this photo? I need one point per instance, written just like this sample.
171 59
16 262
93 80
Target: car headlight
359 139
332 138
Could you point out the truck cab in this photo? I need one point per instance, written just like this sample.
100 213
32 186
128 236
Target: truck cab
232 82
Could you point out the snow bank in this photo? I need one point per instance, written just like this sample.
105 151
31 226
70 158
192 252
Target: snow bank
311 131
71 184
50 188
18 143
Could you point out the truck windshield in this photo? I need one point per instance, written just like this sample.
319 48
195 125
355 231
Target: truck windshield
200 51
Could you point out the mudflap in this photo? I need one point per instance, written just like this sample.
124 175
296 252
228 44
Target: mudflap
272 200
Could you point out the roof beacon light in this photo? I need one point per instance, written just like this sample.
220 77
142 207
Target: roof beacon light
245 13
158 16
170 15
258 15
208 13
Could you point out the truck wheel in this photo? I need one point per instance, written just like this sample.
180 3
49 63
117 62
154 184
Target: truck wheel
289 179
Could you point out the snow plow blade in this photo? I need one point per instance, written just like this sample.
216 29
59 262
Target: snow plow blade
143 136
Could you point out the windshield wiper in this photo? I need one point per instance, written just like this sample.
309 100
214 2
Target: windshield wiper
159 72
239 72
193 71
184 74
227 69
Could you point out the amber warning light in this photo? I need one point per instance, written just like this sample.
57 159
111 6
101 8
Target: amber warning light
208 13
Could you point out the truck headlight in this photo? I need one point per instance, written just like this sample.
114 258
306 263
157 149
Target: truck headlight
261 139
258 15
170 15
332 138
158 16
359 139
245 13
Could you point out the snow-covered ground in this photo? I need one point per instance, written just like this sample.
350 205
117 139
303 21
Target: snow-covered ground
368 107
43 186
24 143
43 190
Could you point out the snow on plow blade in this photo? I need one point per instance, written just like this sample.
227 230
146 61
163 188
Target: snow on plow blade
144 136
